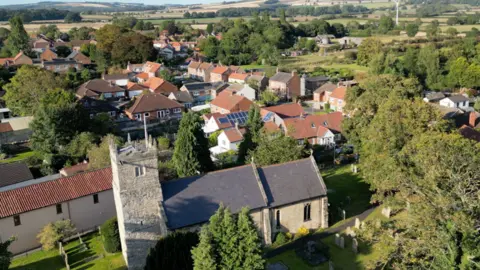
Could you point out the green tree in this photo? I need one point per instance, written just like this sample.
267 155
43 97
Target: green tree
27 88
249 244
213 138
163 143
63 51
476 106
81 144
269 98
173 251
252 135
18 39
73 17
209 47
433 30
131 47
139 25
456 73
191 155
451 31
412 29
310 45
209 28
385 24
228 244
429 66
204 254
54 232
106 36
99 156
276 150
111 235
5 255
366 50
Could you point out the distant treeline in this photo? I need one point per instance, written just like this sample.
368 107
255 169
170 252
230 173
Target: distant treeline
437 9
445 2
29 15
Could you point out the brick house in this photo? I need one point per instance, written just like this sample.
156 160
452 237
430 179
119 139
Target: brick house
337 99
48 55
286 85
227 102
317 129
96 88
322 94
200 71
154 107
160 86
238 78
80 58
220 74
19 59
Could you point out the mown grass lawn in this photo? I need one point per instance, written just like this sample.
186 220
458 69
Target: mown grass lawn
19 157
51 259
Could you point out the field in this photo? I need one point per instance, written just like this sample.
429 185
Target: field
63 27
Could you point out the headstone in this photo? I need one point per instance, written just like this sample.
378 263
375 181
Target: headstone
330 265
357 223
355 170
344 214
349 231
362 225
342 242
386 212
337 239
355 245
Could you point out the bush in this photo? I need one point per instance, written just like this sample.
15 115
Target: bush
280 239
163 143
302 231
111 236
55 232
172 252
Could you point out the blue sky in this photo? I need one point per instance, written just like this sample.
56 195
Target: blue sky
147 2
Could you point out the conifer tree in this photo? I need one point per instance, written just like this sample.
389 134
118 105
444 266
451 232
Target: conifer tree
228 246
249 245
252 134
18 39
203 255
191 155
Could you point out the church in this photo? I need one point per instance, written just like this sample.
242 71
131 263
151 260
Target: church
282 197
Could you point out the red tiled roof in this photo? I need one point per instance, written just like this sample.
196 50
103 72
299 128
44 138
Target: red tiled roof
286 110
5 60
228 101
28 198
339 92
152 67
5 127
234 135
77 168
159 85
220 70
131 86
270 126
239 76
142 75
153 102
304 128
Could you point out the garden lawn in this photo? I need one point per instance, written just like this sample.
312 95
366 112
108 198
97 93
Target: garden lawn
341 182
18 157
51 260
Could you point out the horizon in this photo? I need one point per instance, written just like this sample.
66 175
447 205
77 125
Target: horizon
145 2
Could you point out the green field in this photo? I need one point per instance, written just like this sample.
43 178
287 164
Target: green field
41 260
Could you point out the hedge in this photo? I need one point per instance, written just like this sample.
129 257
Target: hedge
111 236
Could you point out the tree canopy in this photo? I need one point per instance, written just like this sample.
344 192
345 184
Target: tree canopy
18 39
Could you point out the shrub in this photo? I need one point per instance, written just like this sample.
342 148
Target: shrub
280 239
110 235
54 232
163 143
172 252
302 231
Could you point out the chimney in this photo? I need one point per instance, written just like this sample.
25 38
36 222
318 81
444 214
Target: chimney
294 72
236 126
472 119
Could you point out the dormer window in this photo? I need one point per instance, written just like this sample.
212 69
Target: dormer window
313 125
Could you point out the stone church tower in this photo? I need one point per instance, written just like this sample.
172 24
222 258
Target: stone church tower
138 199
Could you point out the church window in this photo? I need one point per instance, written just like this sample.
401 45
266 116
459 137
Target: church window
306 212
278 219
139 171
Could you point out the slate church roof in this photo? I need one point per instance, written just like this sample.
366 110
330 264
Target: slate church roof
193 200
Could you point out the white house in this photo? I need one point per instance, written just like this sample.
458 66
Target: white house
217 121
457 101
118 79
228 140
247 92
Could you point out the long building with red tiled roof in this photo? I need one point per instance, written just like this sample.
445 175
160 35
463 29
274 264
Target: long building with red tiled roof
85 198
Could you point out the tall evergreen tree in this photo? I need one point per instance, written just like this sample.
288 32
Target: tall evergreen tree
252 134
203 255
249 245
5 254
18 39
191 155
228 246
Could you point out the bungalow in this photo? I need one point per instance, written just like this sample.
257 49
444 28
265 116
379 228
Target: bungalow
243 90
15 130
200 71
354 41
324 39
61 65
227 102
48 55
151 69
433 97
456 101
317 129
97 88
285 85
154 107
277 114
337 98
118 79
160 86
182 97
238 78
80 58
19 59
41 44
228 140
220 74
94 107
135 89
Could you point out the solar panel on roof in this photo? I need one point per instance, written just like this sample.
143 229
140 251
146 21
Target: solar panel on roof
223 120
268 117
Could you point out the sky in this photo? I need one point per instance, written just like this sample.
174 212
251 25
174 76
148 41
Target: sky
146 2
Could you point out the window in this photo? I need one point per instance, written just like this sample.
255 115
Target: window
167 111
160 114
177 110
112 113
95 198
306 212
147 114
139 171
59 209
277 217
16 220
138 116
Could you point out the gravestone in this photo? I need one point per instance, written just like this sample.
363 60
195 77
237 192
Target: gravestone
344 214
355 245
357 223
337 239
330 265
362 225
386 212
342 242
349 231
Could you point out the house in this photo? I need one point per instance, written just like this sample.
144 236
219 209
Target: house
77 44
456 101
182 97
72 170
317 129
200 71
324 39
61 65
323 93
154 107
337 98
247 91
48 55
354 41
276 203
135 89
241 78
228 140
287 110
218 121
220 74
94 107
228 102
167 52
200 91
80 58
15 129
118 79
286 85
150 69
160 86
98 88
262 81
433 97
13 173
19 59
313 83
41 44
177 46
25 208
236 69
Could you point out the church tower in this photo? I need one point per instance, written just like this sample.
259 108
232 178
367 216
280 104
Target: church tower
138 199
